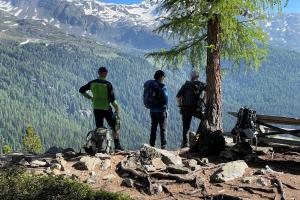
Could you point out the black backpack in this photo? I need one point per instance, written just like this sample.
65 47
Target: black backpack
246 123
98 141
153 95
194 93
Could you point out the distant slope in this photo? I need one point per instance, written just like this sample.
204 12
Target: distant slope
42 69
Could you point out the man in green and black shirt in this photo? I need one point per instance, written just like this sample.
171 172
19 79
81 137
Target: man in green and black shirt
103 97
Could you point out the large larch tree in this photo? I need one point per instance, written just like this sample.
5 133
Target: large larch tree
208 31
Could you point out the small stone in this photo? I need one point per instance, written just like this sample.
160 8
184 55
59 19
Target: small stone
262 182
228 140
175 169
48 171
190 163
37 163
92 173
105 164
260 172
149 168
108 177
56 166
59 155
157 188
205 160
102 156
247 180
91 181
24 162
127 182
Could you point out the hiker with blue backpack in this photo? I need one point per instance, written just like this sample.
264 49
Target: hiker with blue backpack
156 99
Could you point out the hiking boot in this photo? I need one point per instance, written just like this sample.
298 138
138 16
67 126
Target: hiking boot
163 146
185 145
118 148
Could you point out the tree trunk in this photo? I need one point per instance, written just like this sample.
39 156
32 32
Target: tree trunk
212 121
213 114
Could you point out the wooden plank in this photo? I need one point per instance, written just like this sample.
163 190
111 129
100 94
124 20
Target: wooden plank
274 119
291 132
279 141
266 139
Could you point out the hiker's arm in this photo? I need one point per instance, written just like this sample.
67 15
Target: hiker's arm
165 93
115 105
83 90
112 99
179 95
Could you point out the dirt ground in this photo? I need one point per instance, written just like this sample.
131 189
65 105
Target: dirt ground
287 166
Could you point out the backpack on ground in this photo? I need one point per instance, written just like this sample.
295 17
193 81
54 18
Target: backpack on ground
98 141
153 95
246 123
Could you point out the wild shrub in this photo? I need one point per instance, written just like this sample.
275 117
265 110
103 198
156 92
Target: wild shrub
16 184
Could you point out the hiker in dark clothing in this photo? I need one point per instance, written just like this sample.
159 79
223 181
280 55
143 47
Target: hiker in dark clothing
103 97
190 99
159 110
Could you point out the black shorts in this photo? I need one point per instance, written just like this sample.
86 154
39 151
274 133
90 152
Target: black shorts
109 117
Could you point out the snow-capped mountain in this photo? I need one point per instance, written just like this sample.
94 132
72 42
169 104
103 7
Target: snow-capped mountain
284 31
127 25
143 14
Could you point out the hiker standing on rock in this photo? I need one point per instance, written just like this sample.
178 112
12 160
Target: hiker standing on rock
156 99
103 97
190 99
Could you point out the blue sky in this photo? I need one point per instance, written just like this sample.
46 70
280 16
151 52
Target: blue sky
293 6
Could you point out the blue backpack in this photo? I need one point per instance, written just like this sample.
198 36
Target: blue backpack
153 95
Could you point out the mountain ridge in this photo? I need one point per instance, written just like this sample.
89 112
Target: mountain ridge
129 26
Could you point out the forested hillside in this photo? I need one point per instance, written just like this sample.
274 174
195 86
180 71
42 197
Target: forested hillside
42 68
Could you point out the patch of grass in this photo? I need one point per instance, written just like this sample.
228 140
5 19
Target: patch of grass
16 184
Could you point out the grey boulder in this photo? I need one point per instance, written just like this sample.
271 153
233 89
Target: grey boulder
230 171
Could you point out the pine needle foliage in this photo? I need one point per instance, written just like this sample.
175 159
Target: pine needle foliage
31 141
243 41
6 149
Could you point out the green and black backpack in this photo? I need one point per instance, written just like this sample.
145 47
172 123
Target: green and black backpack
98 141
